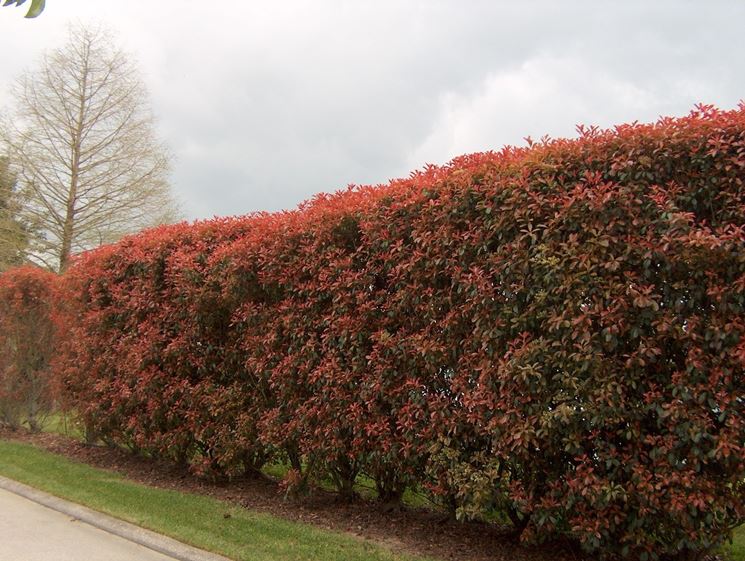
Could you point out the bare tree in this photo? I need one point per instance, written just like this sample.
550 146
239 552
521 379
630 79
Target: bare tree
83 139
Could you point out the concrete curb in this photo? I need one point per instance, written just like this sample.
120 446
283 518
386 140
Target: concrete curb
146 538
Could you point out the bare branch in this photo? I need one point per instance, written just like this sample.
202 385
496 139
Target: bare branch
84 149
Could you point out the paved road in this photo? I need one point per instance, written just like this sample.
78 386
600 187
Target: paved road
31 532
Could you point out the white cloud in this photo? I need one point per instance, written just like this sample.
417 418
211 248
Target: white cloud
266 104
545 95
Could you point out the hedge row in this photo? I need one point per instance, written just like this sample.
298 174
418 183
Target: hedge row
553 331
27 338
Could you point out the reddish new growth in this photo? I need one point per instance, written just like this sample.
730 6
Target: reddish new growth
555 332
27 339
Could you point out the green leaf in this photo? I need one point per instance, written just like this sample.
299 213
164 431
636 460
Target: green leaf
37 7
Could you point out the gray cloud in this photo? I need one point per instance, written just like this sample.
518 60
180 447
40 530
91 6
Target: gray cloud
264 106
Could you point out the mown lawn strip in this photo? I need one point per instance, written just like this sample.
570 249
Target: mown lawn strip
200 521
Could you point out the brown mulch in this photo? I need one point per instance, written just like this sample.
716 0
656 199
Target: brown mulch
414 531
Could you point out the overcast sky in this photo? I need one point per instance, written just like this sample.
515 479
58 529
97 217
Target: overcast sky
264 103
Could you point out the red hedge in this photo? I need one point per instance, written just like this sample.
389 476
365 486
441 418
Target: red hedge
27 337
149 358
555 331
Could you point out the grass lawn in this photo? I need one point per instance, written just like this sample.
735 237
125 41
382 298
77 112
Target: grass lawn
736 550
193 519
64 424
200 521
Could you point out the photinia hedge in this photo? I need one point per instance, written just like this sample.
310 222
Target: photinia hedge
554 331
27 339
163 380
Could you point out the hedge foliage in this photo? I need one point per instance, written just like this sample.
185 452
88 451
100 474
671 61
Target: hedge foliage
27 337
555 331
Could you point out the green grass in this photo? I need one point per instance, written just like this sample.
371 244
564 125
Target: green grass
64 424
736 550
193 519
